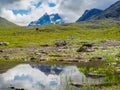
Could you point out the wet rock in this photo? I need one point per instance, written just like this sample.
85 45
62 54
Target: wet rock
95 75
86 48
60 43
67 59
4 43
73 59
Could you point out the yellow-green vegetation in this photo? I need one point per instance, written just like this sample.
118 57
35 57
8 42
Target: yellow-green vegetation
100 60
94 31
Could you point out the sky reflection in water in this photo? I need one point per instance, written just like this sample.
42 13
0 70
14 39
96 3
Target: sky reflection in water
41 77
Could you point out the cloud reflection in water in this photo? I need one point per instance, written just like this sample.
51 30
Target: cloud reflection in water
39 77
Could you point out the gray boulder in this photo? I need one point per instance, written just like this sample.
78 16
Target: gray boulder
86 48
60 43
4 43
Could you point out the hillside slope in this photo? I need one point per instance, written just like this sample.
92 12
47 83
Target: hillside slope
5 23
88 14
112 12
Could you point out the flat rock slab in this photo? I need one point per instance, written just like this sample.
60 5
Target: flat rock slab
110 43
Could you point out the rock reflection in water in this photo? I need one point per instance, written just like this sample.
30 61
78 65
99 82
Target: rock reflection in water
41 77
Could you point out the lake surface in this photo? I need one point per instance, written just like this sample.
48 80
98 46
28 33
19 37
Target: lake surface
43 77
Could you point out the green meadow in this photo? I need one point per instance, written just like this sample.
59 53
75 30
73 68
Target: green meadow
74 33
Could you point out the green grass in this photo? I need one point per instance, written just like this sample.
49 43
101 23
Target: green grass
76 32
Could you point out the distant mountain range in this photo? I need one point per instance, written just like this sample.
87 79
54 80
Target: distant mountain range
88 14
111 12
6 23
96 14
47 19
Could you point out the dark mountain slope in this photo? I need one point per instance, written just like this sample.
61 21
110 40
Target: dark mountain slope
88 14
112 12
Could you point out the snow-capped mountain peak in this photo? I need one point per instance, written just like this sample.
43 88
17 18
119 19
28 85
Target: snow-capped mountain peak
47 19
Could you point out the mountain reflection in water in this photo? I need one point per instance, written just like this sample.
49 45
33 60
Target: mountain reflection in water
42 77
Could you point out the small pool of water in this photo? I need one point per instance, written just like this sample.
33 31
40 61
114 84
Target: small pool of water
43 77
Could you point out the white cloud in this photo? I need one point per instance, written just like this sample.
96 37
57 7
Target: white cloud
70 10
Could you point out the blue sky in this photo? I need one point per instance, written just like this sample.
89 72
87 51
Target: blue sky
27 11
22 12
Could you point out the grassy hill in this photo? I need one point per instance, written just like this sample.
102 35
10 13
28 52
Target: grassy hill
5 23
74 33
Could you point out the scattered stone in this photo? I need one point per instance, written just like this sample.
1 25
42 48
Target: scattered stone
32 58
79 57
55 55
60 59
112 63
118 69
72 60
60 43
82 59
40 52
43 59
110 43
1 51
86 48
66 59
4 43
76 84
6 57
97 58
37 53
23 59
95 75
45 45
